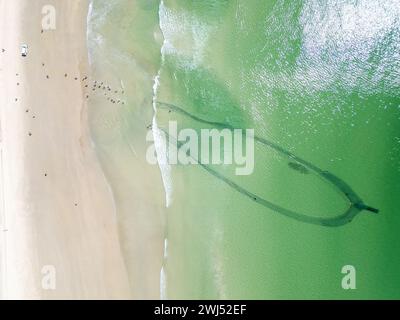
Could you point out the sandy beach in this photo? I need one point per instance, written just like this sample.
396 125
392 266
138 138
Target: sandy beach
57 207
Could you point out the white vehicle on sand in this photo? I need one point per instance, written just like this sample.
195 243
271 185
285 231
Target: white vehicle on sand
24 50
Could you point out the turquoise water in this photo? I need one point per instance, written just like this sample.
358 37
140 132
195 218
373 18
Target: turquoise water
319 80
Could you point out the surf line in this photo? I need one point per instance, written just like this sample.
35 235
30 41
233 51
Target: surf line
355 203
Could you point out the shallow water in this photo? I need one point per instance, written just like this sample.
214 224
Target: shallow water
320 80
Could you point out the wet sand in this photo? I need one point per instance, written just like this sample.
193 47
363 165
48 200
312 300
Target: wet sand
57 208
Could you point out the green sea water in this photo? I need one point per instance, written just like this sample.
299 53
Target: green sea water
318 79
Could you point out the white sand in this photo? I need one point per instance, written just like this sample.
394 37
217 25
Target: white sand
66 219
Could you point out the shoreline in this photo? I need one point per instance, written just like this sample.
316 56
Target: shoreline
119 113
58 206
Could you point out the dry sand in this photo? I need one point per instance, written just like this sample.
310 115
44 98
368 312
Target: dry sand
56 206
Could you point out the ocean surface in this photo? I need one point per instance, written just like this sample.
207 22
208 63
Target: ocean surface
319 84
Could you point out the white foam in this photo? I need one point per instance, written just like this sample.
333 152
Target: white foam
163 275
185 36
160 142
